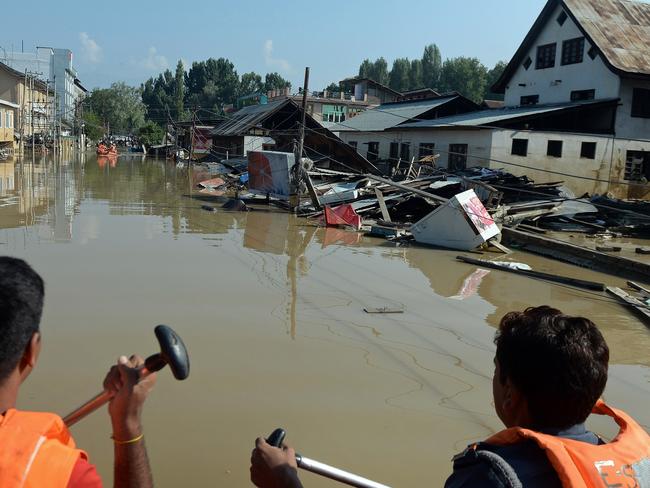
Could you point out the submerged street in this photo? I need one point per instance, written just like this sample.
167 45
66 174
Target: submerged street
271 308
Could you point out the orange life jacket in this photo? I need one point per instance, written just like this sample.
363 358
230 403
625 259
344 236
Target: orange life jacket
36 450
624 462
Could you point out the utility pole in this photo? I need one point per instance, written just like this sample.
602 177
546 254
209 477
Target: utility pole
23 114
300 170
31 99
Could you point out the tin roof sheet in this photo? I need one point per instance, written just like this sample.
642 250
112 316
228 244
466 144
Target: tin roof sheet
248 117
619 28
390 115
493 116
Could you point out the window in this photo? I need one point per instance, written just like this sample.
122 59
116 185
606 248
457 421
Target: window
554 149
1 118
393 152
427 149
546 56
373 151
9 122
405 151
353 144
527 63
519 147
573 50
641 103
529 100
561 19
579 95
637 166
457 157
588 150
593 52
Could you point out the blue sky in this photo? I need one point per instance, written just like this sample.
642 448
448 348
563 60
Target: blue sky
131 41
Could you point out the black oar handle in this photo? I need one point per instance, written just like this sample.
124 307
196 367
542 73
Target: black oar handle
277 437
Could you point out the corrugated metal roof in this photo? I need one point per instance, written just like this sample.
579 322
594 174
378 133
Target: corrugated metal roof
619 28
248 117
493 116
389 115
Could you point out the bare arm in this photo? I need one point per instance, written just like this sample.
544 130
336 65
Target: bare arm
131 466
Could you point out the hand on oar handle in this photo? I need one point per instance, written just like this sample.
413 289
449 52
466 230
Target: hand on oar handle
274 467
129 389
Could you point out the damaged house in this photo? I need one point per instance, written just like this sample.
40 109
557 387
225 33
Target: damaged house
377 135
577 105
275 126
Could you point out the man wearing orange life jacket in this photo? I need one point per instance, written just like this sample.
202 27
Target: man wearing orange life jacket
37 449
550 372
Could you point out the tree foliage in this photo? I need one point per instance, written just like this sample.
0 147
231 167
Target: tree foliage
273 81
119 108
93 126
465 75
151 134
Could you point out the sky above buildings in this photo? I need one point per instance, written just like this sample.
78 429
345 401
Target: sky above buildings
133 40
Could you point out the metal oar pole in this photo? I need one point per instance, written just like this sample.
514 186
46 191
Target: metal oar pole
277 437
336 474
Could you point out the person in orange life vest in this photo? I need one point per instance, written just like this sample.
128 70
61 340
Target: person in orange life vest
550 371
37 449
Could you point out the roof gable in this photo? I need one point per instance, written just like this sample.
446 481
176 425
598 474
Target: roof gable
618 29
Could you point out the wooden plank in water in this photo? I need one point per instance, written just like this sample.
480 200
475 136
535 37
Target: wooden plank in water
384 310
637 305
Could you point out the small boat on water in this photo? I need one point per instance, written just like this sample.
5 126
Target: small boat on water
106 150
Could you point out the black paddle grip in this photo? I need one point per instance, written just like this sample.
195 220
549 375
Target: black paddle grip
277 437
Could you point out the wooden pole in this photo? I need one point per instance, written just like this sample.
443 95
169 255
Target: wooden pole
305 90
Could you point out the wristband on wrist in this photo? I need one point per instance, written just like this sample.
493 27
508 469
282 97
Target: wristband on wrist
130 441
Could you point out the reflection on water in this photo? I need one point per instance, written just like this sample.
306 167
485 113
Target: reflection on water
271 308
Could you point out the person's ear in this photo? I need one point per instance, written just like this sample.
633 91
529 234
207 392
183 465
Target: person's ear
30 355
515 405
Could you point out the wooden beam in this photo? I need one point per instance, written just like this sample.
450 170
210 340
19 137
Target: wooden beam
382 205
637 305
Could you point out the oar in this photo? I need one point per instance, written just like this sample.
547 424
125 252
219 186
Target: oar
277 437
172 353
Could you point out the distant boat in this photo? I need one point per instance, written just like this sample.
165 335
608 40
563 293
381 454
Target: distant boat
105 150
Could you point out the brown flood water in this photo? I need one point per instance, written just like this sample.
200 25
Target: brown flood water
271 310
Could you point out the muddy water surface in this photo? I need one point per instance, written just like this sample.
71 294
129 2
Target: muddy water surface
272 311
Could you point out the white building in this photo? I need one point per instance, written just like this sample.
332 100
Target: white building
577 96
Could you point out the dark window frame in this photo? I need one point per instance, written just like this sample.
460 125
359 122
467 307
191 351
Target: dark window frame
353 144
546 56
580 95
588 150
637 166
519 147
529 100
373 155
573 51
554 148
641 103
393 151
405 151
457 157
561 19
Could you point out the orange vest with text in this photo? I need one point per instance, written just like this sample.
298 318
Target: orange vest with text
624 462
36 450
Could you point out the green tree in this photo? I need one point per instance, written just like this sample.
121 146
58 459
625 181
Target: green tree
273 81
399 79
466 76
333 87
119 108
179 91
415 75
250 83
492 77
211 84
366 69
431 66
159 97
379 71
151 134
93 126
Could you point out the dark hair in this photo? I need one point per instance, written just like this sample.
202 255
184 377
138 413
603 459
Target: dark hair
558 362
21 305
